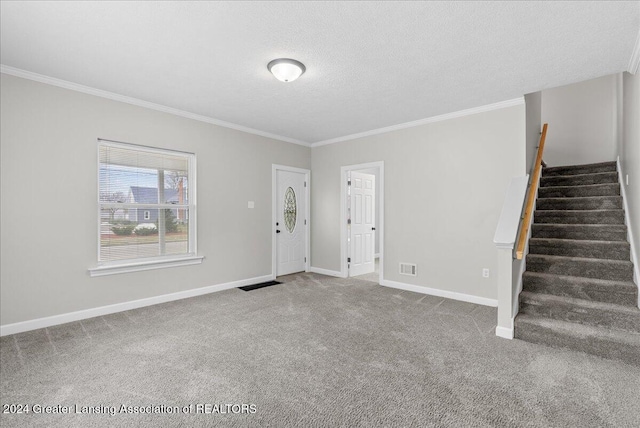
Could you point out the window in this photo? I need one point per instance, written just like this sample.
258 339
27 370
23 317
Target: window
146 208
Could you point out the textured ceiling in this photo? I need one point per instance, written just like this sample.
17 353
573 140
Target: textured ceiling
369 64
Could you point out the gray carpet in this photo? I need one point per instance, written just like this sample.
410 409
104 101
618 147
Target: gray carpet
578 290
313 351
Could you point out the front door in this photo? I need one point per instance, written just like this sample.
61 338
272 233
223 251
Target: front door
290 222
363 222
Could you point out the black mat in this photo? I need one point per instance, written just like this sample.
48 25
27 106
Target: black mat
257 286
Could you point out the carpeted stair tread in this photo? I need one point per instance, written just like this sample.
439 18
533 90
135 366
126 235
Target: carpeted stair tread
579 169
580 203
579 216
601 290
600 314
610 250
579 179
615 270
578 290
593 232
609 189
607 343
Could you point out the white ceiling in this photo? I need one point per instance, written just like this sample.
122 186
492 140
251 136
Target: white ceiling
369 64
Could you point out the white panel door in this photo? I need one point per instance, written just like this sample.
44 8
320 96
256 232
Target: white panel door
363 223
290 222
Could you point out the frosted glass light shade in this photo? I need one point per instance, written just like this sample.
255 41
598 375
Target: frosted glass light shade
286 69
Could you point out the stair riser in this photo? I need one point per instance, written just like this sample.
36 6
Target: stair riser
617 251
601 233
579 180
579 191
577 217
598 318
619 296
579 169
597 203
601 269
602 347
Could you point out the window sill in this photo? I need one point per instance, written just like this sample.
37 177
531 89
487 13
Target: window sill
113 269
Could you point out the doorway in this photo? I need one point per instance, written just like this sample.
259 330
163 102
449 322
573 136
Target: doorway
290 220
362 221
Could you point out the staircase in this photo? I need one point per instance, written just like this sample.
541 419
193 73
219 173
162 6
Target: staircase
578 289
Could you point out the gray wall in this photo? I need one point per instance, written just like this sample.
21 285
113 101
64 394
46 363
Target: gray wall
533 104
629 153
444 187
48 156
582 122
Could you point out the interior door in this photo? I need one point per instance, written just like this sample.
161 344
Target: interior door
363 223
290 222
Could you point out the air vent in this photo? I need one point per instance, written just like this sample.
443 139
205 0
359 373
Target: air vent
408 269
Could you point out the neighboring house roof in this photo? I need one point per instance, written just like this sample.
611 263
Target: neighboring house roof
149 195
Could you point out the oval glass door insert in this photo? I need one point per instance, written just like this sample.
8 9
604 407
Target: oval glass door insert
290 209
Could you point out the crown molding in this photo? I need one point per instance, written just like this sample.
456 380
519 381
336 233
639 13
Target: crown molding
634 61
433 119
141 103
158 107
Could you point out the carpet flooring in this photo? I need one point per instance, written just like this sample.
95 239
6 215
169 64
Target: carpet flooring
578 290
313 351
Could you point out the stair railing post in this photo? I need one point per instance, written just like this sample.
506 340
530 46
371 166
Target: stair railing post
505 292
505 238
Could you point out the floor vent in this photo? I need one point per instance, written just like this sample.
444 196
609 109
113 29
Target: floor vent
408 269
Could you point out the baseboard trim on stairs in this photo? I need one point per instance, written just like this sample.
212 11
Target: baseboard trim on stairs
327 272
37 323
627 221
440 293
505 333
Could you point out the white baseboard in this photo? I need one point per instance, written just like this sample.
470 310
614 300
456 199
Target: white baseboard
627 221
35 324
326 272
506 333
440 293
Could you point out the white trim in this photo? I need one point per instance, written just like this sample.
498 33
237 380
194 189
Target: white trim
440 293
140 103
627 221
634 61
37 323
439 118
137 266
170 110
326 272
344 272
274 215
505 333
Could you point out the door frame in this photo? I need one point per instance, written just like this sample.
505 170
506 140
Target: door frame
344 269
274 201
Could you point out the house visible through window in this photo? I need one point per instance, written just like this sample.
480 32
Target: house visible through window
146 199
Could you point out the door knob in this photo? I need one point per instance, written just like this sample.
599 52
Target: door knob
277 231
373 228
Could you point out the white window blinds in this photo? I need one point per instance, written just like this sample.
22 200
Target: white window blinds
146 203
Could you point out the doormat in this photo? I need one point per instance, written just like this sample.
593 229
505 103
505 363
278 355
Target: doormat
257 286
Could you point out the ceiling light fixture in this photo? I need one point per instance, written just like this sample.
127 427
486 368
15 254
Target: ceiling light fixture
286 69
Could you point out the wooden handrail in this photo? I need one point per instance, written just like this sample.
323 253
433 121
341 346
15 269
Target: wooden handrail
531 197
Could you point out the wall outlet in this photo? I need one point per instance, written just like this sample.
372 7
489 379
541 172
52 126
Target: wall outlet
251 204
485 273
